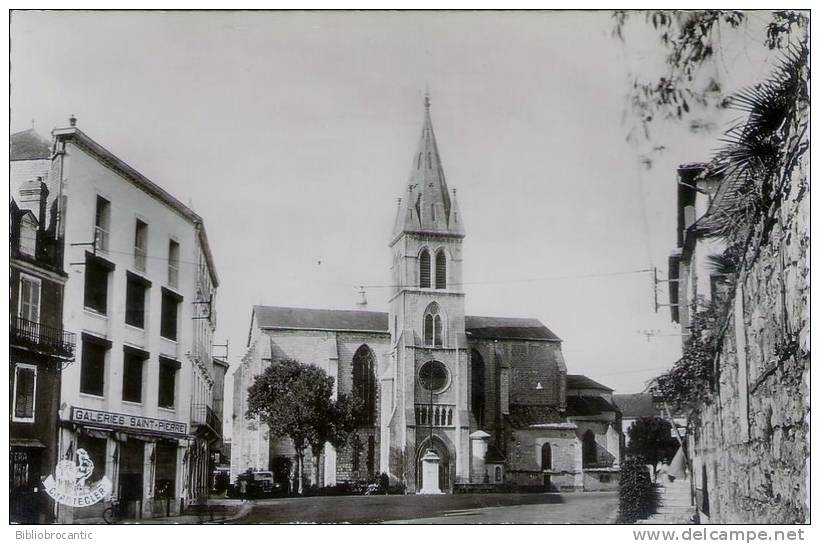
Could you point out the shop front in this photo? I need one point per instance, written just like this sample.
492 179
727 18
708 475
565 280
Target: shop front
143 460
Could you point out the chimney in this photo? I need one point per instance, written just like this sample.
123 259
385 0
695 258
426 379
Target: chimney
33 196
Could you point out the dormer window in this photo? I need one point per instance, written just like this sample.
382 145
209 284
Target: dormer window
28 235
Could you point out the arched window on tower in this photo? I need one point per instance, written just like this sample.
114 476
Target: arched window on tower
364 384
441 270
424 269
433 326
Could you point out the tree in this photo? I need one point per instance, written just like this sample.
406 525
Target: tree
693 41
295 400
651 439
334 423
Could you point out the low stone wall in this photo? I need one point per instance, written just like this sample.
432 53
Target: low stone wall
602 479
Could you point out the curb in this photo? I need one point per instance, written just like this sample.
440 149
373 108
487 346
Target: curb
244 510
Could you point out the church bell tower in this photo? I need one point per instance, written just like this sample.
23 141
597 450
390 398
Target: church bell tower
427 406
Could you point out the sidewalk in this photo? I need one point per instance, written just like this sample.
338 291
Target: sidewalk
675 504
216 511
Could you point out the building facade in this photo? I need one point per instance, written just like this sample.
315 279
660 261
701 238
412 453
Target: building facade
140 295
488 395
39 348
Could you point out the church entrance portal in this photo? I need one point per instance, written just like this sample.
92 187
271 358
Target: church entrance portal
444 479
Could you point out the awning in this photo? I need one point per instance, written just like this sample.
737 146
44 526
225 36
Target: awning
93 432
25 443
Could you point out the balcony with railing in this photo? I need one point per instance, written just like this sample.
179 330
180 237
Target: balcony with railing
39 337
205 422
101 236
441 415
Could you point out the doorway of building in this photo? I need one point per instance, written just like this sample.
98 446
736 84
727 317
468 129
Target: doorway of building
443 466
24 477
132 463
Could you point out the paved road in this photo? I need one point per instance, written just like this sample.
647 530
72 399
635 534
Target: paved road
490 508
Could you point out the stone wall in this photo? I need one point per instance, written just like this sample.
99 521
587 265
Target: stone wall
751 442
331 351
524 448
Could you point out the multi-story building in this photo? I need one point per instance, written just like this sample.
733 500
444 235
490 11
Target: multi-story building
140 295
39 348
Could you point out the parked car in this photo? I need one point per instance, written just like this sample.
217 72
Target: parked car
256 484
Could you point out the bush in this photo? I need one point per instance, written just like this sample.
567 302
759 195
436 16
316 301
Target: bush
637 495
378 485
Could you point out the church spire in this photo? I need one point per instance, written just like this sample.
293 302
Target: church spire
428 205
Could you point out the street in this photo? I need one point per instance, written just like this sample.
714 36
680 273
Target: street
570 508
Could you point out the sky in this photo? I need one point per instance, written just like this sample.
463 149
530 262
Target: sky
292 135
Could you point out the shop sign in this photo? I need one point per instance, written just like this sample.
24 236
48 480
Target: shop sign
128 422
69 483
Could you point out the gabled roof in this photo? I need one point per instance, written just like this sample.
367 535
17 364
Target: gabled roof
502 328
636 405
278 317
522 416
428 206
579 381
28 145
585 405
509 328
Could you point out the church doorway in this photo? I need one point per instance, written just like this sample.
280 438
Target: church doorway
444 479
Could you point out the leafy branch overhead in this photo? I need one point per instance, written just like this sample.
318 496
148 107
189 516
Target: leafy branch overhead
692 376
690 40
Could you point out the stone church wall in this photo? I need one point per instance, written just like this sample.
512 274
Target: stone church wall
524 447
751 444
533 363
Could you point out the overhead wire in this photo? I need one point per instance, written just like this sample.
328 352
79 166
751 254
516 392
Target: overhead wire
521 280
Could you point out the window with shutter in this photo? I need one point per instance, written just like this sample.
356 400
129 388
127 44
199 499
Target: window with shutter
25 387
92 369
135 302
95 296
132 376
167 383
29 298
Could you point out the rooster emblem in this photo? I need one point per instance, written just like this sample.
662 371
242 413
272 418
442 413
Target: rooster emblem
71 476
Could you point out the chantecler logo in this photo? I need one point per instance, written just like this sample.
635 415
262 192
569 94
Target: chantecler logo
69 485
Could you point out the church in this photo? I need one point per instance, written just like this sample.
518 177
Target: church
490 396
